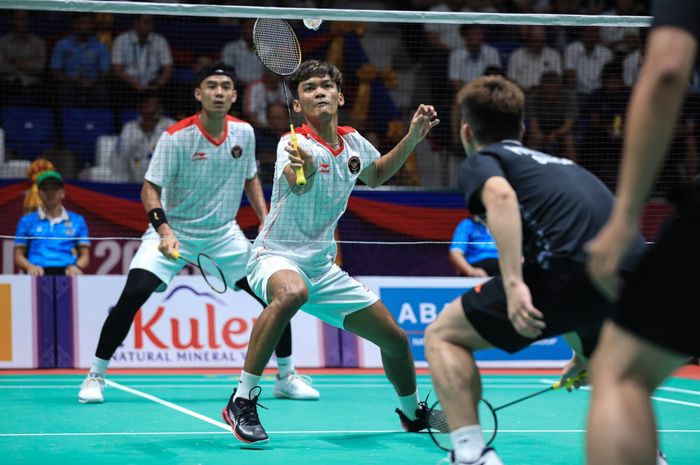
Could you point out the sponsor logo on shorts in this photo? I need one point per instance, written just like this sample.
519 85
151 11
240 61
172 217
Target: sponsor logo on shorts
236 152
199 156
354 165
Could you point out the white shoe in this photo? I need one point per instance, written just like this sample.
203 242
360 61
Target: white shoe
91 389
295 386
488 457
661 459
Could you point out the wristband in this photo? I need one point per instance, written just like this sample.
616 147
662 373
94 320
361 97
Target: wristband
157 217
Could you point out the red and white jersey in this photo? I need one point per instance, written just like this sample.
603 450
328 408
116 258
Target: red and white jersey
301 227
202 179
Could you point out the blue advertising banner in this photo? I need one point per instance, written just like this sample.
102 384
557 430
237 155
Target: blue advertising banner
415 303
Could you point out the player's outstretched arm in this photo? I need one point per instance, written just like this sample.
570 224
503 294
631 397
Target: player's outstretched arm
651 119
150 197
503 213
424 119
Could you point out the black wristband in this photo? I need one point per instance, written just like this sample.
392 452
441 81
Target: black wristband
157 217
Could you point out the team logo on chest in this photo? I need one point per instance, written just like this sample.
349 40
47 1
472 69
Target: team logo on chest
236 152
354 165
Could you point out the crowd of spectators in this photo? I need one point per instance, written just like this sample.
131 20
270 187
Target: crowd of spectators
577 79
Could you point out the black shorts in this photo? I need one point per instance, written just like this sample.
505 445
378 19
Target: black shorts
661 299
566 297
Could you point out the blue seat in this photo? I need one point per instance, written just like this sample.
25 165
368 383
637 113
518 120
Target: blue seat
28 130
82 127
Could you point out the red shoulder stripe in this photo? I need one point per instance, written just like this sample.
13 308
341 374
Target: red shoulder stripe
182 124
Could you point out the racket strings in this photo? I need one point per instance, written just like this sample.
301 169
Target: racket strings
277 46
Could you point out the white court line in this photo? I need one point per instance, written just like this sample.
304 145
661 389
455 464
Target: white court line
682 391
230 385
311 432
656 398
165 403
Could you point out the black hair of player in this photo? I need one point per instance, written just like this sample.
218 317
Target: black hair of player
314 68
217 69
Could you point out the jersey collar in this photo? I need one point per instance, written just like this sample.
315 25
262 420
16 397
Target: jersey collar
308 131
61 218
206 134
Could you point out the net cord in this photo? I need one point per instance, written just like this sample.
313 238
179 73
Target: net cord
326 14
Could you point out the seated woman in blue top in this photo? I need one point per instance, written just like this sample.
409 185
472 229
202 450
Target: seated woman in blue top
52 240
473 251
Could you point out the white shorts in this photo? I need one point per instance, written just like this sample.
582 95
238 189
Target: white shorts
332 295
230 252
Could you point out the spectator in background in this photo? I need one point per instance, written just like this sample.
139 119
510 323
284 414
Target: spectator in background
630 67
138 139
527 64
241 55
606 110
259 95
22 58
473 251
79 64
472 58
553 110
268 137
622 40
141 61
584 60
52 240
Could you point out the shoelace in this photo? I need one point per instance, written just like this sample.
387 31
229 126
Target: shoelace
91 378
249 413
302 378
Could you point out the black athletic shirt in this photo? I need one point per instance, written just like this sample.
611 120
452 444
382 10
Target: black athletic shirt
562 205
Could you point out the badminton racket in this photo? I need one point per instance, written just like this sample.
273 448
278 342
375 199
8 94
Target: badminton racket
278 49
487 413
210 271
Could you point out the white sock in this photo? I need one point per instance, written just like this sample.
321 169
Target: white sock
99 366
409 405
468 443
245 384
285 365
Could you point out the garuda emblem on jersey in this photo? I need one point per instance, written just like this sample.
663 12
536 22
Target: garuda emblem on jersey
236 152
354 165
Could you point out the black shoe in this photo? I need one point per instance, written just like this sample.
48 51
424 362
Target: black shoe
425 417
242 415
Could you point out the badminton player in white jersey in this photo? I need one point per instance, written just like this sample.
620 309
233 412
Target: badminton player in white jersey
292 266
199 170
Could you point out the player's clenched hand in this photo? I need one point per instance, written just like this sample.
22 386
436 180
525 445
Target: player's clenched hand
526 319
424 119
168 244
605 253
300 158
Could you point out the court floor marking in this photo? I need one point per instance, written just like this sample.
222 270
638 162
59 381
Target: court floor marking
219 386
171 405
311 432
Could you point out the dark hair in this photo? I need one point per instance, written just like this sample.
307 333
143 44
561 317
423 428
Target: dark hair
217 69
493 106
314 68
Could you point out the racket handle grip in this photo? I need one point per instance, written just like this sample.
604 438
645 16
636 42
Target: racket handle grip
176 254
571 381
301 179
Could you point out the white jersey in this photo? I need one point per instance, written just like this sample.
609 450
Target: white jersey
301 227
203 179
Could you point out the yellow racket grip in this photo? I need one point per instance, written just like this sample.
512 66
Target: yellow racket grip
571 381
301 179
176 254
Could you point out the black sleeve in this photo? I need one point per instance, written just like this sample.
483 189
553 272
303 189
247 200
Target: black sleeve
475 171
684 14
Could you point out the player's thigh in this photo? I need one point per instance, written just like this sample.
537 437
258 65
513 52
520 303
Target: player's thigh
453 326
335 295
376 324
149 258
261 269
623 357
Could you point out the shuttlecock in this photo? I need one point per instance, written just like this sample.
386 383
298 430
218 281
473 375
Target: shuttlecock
313 24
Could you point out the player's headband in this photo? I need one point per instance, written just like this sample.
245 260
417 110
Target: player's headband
218 69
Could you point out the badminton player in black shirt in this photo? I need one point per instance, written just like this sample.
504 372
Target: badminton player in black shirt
657 321
541 211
